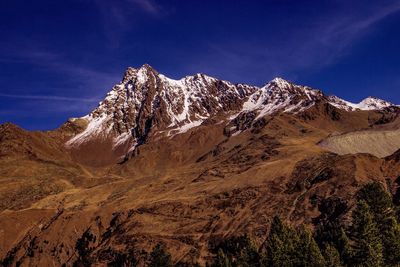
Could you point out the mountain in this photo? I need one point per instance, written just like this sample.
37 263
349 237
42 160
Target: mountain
188 162
369 103
148 105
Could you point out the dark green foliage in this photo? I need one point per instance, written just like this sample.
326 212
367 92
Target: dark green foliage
159 257
367 245
281 245
396 196
379 201
287 247
332 233
391 242
343 246
372 239
308 251
248 257
222 260
332 257
381 205
397 211
240 251
187 264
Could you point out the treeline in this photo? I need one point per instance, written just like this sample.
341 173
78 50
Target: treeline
371 239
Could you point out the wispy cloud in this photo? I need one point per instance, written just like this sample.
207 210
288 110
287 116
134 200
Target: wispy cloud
92 80
313 45
120 16
341 31
51 98
148 6
81 87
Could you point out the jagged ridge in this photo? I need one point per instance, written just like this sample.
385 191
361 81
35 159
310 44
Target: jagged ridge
146 103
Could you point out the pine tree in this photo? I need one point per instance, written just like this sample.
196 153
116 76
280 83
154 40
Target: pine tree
159 257
333 233
367 245
222 260
308 252
391 242
247 254
332 257
240 250
281 245
379 201
343 247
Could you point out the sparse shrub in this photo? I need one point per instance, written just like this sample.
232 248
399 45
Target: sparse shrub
159 257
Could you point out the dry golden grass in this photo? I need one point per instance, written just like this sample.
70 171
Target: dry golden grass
184 191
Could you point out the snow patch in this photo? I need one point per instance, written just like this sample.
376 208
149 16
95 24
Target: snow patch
121 139
95 127
141 75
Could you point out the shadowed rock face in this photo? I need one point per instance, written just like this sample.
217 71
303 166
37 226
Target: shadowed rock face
186 163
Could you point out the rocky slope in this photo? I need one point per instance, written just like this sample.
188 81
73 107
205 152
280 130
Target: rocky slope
148 105
378 143
184 162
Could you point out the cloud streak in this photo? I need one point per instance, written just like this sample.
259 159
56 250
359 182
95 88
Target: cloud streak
86 86
344 30
311 45
120 16
148 6
81 76
51 98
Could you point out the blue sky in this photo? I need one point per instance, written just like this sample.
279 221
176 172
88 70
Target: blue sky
59 58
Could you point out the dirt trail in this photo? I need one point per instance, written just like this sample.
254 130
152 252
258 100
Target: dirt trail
294 204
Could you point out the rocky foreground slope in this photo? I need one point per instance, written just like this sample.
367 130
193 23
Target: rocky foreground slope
186 162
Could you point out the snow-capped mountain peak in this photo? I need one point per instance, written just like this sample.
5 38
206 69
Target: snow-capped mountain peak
148 104
369 103
280 95
140 75
279 83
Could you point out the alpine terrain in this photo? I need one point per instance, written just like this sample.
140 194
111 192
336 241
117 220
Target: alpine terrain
175 170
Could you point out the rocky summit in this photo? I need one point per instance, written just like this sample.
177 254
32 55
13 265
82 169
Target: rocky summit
188 163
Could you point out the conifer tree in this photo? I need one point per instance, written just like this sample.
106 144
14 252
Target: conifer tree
333 233
379 201
222 260
343 246
240 250
308 252
332 257
281 245
390 236
381 206
248 253
367 246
